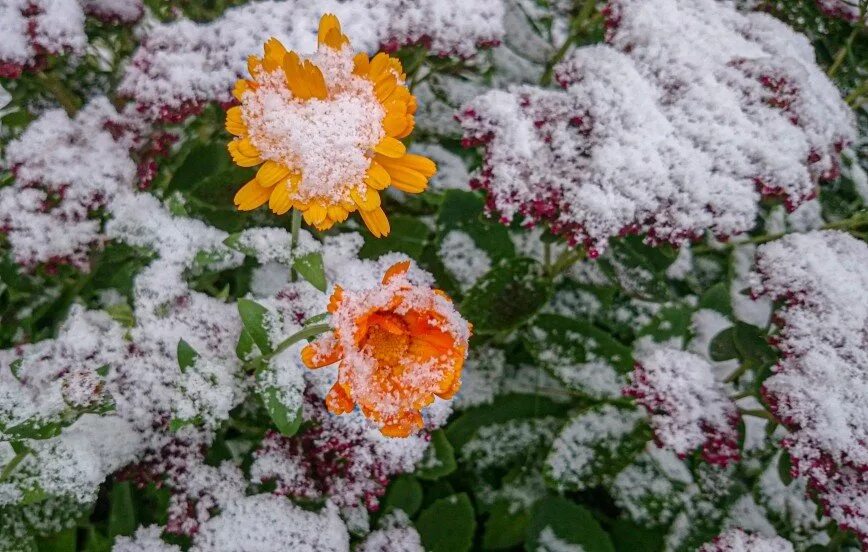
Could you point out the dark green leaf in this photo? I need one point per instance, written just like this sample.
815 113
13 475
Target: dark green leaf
439 459
244 348
15 367
630 537
285 421
785 468
187 355
670 322
122 515
464 211
34 429
255 319
722 346
504 527
408 235
717 298
511 293
404 493
310 268
448 524
64 541
567 521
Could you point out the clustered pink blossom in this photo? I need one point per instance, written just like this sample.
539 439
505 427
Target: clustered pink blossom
848 10
676 128
689 409
818 387
334 458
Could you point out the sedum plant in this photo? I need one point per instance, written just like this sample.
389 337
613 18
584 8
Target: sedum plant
430 275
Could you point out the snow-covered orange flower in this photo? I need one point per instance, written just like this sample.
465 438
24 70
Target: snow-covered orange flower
326 132
399 345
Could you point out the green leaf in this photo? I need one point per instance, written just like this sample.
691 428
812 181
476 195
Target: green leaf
187 355
504 408
15 367
245 345
286 422
561 519
64 541
34 428
404 493
637 268
785 468
465 211
318 318
310 268
448 524
122 313
409 235
717 298
722 346
439 459
177 423
511 293
203 160
750 341
122 515
670 322
504 527
630 537
255 318
595 445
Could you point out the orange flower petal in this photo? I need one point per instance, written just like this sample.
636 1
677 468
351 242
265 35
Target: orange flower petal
390 148
396 270
251 196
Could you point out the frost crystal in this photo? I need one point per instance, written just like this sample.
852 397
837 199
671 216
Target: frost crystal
819 385
689 409
691 113
146 539
33 28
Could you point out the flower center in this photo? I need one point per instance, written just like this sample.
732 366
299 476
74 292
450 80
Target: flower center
387 339
328 141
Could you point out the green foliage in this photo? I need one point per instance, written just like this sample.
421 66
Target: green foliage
447 525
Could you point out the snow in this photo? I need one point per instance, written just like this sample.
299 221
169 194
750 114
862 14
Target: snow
689 409
548 541
123 11
30 27
263 523
66 170
736 540
183 64
466 262
669 130
817 386
145 539
397 535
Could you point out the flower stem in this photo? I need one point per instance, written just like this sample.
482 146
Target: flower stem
9 469
64 96
757 413
295 226
304 333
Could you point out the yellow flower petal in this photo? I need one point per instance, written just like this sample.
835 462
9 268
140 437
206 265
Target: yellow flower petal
241 86
315 213
384 87
379 65
376 222
234 122
280 202
378 178
403 177
274 52
411 122
315 80
389 147
253 65
251 196
418 163
270 173
394 124
361 64
330 32
243 153
367 199
295 76
337 213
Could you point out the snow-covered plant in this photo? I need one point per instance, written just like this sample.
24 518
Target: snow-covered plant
433 275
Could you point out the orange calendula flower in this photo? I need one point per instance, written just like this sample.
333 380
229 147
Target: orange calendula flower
325 131
399 346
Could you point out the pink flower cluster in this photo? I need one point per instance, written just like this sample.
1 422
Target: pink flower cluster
689 409
339 459
677 127
819 386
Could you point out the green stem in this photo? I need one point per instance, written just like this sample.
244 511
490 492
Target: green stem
737 372
304 333
9 469
841 55
757 413
565 260
295 226
64 96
